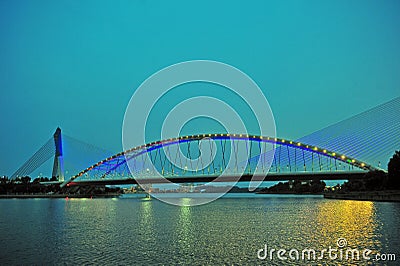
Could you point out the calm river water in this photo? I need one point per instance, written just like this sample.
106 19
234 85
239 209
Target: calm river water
229 231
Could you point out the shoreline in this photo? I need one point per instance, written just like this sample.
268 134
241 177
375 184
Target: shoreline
384 196
56 196
381 196
289 193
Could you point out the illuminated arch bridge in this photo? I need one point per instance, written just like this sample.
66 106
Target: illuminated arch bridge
201 158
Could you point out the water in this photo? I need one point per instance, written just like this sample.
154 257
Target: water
228 231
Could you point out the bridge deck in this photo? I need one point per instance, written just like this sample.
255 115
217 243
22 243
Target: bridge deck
244 178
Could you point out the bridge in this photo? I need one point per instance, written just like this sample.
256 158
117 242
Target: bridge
240 157
172 159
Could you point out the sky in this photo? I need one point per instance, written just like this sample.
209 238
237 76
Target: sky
75 64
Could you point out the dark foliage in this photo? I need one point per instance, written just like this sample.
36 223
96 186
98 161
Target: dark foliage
394 171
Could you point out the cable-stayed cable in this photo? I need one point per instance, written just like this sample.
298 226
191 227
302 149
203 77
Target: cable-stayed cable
79 155
371 136
40 157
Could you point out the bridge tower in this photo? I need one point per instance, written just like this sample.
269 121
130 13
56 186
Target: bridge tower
58 165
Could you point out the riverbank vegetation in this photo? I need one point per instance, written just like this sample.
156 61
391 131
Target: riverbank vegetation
296 187
375 180
46 186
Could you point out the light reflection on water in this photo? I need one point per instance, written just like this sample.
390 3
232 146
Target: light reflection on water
353 220
227 231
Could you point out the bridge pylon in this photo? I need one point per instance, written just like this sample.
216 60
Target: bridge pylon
58 165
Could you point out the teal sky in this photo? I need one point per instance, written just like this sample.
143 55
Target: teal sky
75 64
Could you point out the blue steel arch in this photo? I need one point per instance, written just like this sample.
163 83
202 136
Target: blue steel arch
112 163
